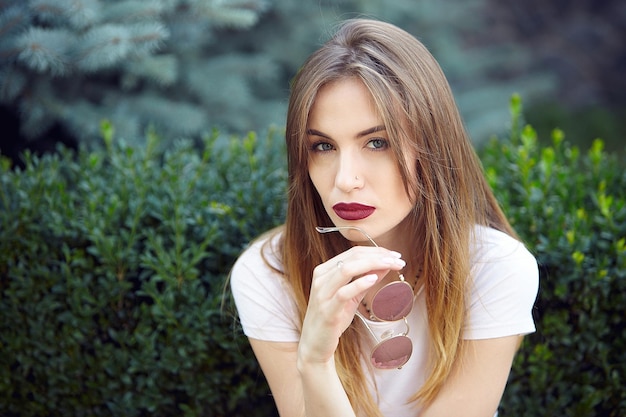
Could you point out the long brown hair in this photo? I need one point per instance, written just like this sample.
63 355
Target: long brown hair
451 194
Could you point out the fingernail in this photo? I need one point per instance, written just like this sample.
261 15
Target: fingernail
394 261
395 254
372 278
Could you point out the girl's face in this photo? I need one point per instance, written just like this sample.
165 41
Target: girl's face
352 165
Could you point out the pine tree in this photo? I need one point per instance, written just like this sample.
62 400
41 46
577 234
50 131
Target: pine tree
187 66
76 62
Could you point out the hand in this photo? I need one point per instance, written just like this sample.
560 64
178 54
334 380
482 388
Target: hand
336 295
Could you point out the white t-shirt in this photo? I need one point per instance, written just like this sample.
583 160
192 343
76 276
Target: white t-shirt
505 285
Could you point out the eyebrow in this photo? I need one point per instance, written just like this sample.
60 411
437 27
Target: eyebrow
365 132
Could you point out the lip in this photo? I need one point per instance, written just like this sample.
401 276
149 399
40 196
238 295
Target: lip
353 211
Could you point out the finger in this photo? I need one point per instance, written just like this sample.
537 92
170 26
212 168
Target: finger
358 266
357 252
352 270
380 258
357 288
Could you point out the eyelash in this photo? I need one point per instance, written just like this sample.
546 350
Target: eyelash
315 147
384 144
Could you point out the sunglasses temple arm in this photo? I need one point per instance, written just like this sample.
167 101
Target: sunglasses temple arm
408 328
338 228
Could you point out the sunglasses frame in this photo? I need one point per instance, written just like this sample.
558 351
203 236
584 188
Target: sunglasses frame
385 341
373 316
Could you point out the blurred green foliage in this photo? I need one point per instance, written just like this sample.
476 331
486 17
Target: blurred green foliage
581 124
113 264
112 269
569 206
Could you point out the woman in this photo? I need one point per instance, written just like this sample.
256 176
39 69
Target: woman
385 192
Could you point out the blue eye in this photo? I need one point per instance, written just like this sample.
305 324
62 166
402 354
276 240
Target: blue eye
378 143
321 147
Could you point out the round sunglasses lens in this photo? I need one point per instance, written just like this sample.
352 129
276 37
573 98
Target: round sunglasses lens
393 302
392 353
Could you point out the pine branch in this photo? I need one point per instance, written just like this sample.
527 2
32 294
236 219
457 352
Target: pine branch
47 11
45 50
102 47
78 14
108 45
159 69
129 11
13 20
148 37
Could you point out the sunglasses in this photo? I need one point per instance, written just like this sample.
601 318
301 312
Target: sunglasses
393 302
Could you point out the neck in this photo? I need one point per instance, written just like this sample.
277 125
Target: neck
399 239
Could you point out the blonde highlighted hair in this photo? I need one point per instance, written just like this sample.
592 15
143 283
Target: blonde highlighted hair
451 194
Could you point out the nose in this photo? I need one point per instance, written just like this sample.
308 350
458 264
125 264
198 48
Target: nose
350 174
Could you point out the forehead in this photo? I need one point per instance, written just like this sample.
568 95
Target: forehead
344 105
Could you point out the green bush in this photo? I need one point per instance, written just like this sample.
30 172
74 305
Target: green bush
112 269
113 263
570 208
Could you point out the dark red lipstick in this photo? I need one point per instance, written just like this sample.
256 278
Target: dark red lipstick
353 211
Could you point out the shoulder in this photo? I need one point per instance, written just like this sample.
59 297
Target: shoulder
492 246
259 266
504 285
261 254
263 297
498 258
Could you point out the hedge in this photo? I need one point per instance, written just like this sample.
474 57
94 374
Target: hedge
113 265
112 269
570 208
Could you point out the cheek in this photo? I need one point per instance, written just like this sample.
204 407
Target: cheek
316 178
405 192
318 172
412 181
